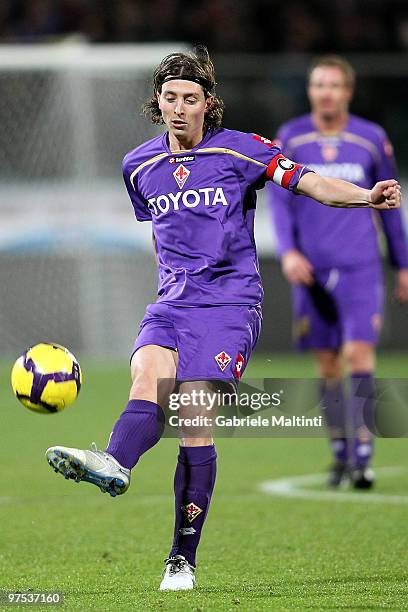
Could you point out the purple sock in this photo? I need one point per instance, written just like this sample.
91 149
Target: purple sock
139 427
193 486
334 412
362 411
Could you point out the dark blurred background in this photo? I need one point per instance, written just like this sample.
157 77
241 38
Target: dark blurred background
367 31
224 25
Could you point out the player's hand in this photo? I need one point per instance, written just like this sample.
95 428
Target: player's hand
297 268
386 194
401 286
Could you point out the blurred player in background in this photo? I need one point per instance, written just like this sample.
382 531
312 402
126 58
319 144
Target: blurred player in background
333 260
197 184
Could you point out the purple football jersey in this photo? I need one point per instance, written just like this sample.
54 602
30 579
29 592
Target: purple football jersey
329 237
202 204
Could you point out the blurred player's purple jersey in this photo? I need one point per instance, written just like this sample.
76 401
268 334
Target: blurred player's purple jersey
361 154
202 204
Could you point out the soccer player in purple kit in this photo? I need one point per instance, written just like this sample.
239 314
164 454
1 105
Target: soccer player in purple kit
333 260
197 184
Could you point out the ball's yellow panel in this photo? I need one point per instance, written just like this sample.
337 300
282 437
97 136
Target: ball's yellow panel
21 380
34 407
39 377
60 394
50 358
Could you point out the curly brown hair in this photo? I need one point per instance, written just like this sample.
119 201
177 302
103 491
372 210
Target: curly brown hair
198 67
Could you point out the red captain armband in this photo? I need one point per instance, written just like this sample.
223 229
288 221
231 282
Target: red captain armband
281 169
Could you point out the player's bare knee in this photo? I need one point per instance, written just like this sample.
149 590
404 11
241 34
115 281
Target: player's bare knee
153 371
142 386
197 413
147 386
328 365
359 357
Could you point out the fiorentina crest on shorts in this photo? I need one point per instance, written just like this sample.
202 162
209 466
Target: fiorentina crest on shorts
239 366
191 511
223 360
181 174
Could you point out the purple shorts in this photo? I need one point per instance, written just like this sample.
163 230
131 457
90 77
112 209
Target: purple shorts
213 343
344 304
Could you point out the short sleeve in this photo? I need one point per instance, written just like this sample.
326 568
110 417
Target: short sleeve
261 158
142 213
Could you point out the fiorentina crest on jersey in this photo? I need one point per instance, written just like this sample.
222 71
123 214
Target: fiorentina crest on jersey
329 152
223 360
191 511
181 174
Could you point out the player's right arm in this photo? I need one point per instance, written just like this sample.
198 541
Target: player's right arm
140 208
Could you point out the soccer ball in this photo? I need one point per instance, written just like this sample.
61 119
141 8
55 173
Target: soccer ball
46 378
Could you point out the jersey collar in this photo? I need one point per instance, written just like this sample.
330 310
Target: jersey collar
165 142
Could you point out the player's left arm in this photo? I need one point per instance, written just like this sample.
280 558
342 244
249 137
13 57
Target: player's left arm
327 190
263 157
342 194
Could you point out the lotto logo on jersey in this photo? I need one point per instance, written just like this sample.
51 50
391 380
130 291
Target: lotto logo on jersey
266 141
182 160
223 360
239 366
181 174
191 511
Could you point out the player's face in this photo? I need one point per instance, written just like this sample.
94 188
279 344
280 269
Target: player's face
183 106
328 92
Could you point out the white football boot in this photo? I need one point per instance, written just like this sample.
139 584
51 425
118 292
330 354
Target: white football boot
94 466
178 575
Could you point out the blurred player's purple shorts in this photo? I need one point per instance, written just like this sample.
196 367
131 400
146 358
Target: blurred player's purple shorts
344 304
213 343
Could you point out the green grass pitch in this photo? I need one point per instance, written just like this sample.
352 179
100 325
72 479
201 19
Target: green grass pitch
258 552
